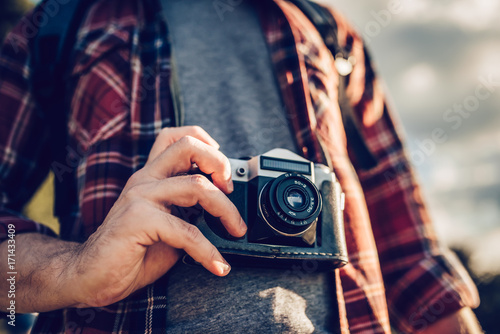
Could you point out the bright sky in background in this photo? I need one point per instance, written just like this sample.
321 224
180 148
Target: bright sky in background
430 55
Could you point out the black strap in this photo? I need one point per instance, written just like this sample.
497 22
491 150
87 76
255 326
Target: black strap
51 52
327 27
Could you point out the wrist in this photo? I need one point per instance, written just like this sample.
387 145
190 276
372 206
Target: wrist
86 278
69 281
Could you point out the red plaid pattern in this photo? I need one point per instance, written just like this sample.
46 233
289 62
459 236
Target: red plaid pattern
121 99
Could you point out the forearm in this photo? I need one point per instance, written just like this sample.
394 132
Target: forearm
44 278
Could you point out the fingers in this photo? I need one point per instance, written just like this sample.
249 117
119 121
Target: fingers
179 157
177 233
189 190
174 152
168 136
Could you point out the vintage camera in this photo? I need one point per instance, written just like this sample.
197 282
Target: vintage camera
293 209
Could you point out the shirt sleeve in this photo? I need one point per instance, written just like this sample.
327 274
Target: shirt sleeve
424 281
24 149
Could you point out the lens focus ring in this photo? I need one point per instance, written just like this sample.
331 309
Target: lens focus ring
291 203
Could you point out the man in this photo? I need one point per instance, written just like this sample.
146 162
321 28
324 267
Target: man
256 77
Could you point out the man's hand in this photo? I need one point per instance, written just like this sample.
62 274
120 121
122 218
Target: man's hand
140 239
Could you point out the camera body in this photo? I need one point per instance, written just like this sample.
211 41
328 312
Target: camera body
293 209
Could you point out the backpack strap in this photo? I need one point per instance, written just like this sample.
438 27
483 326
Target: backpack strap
327 27
51 52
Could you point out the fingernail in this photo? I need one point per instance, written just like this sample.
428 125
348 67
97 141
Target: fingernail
230 186
243 226
224 267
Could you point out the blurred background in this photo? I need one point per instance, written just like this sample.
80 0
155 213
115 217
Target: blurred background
432 55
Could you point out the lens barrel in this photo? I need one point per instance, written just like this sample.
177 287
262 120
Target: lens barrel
290 203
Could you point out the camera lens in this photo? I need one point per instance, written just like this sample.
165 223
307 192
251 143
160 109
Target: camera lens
290 203
295 199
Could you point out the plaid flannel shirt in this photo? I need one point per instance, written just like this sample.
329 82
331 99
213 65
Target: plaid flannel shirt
120 100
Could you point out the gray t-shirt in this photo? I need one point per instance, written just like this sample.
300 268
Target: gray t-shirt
228 87
226 78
